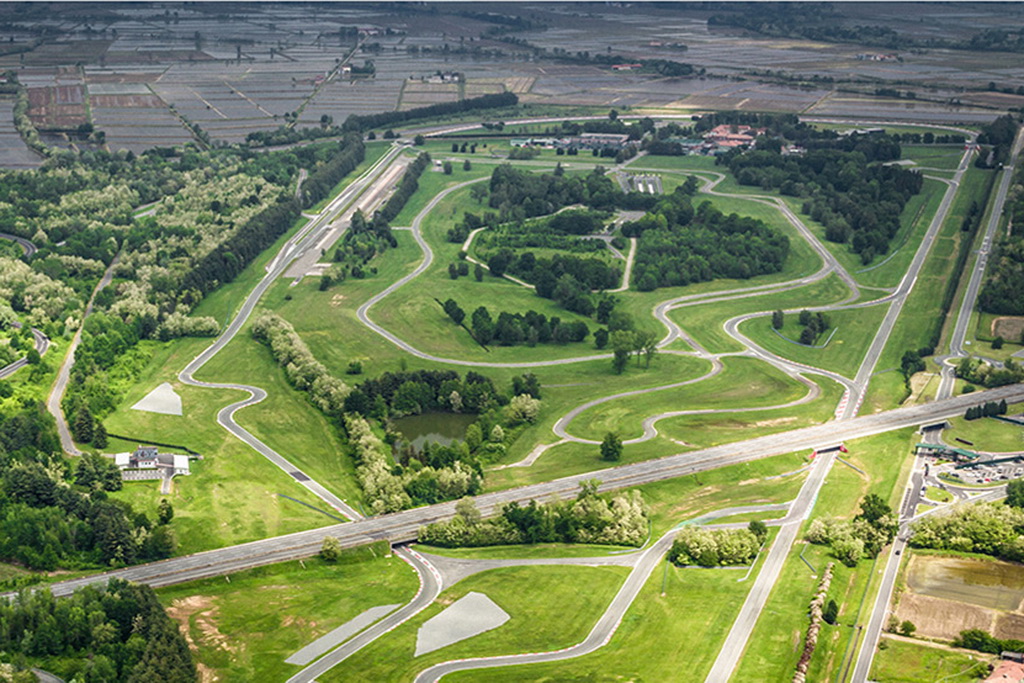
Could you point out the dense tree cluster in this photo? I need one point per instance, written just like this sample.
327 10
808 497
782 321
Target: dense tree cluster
518 194
864 535
350 152
394 394
1003 291
364 240
996 530
51 516
977 371
859 202
510 329
1000 134
619 519
815 324
696 545
117 633
679 246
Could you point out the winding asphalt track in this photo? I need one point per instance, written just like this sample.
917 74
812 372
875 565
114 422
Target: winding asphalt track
294 248
60 384
42 344
26 247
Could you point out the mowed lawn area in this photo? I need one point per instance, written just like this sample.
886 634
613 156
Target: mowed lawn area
551 607
777 641
232 495
243 630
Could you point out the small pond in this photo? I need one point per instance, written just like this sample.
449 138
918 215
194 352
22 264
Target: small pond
442 428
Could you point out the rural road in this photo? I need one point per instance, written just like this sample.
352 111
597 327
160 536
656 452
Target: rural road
60 384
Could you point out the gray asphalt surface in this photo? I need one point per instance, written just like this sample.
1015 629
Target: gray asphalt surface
26 247
957 345
42 344
60 385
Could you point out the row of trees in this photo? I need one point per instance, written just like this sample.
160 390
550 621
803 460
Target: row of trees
394 394
679 246
302 369
989 409
406 188
359 123
116 633
619 519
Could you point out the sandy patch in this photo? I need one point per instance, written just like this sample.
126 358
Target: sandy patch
162 400
774 422
940 618
1008 327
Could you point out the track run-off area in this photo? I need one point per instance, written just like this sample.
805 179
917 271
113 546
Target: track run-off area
400 528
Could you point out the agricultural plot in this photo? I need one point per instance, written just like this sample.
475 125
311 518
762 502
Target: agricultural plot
945 595
57 107
133 117
13 152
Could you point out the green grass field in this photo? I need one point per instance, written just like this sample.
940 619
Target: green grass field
854 329
243 630
574 598
899 660
232 494
989 434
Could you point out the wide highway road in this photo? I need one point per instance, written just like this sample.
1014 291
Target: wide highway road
403 526
957 343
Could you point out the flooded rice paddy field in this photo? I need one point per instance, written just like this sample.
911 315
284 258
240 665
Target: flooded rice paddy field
946 595
234 69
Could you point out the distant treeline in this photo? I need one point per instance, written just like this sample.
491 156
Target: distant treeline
825 22
357 123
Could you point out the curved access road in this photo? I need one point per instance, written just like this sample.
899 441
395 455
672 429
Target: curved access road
42 344
27 248
431 585
598 637
60 385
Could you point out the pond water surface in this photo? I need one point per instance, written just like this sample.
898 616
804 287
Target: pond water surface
998 585
442 428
